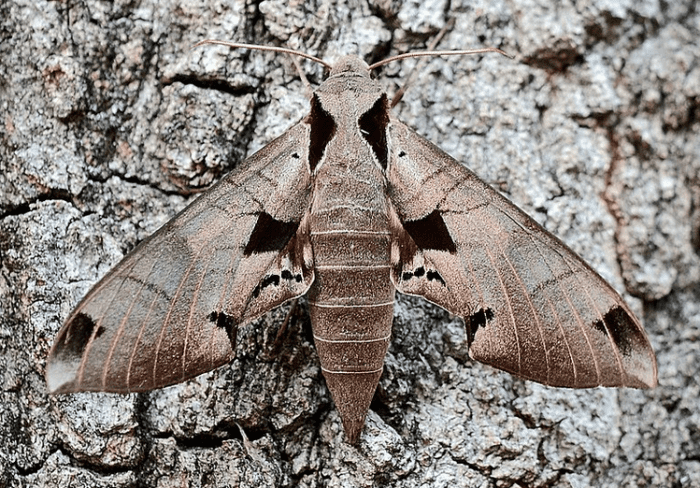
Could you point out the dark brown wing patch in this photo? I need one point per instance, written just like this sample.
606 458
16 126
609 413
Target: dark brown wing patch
269 235
430 232
619 326
77 334
373 125
323 129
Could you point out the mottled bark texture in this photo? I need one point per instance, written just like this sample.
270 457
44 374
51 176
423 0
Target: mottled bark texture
111 122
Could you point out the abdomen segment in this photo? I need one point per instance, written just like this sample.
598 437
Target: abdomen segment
351 305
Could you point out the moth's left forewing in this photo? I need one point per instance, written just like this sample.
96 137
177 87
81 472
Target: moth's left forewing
169 310
532 307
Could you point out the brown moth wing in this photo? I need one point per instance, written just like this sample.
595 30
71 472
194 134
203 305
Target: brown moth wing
531 306
169 310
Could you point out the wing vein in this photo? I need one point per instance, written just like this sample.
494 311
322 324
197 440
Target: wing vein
171 307
535 243
509 305
193 301
120 332
575 312
98 323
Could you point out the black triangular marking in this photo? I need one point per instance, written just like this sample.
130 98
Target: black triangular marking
322 131
430 232
373 124
269 235
225 322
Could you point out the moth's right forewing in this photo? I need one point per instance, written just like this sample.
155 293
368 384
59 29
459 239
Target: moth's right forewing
169 310
532 307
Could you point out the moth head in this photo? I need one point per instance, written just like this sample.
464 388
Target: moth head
350 65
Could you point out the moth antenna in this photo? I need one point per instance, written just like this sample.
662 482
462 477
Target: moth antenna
431 47
418 54
258 47
304 80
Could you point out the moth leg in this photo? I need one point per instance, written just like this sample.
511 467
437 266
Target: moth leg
276 346
283 327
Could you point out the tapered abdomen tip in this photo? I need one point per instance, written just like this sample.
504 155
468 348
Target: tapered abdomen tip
352 394
353 429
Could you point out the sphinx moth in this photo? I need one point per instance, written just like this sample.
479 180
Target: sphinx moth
346 207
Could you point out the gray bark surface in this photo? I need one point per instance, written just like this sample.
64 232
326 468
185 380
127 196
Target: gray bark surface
112 122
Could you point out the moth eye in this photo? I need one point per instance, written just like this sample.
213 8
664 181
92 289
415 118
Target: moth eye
431 233
373 126
322 131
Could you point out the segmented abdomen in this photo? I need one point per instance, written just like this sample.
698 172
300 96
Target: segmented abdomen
351 304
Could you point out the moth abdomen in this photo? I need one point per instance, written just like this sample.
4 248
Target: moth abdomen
351 305
352 341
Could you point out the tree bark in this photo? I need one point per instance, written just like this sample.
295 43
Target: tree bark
113 122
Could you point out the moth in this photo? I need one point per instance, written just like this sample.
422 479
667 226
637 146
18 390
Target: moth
346 207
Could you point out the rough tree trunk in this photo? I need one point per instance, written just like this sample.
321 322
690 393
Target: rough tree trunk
112 122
